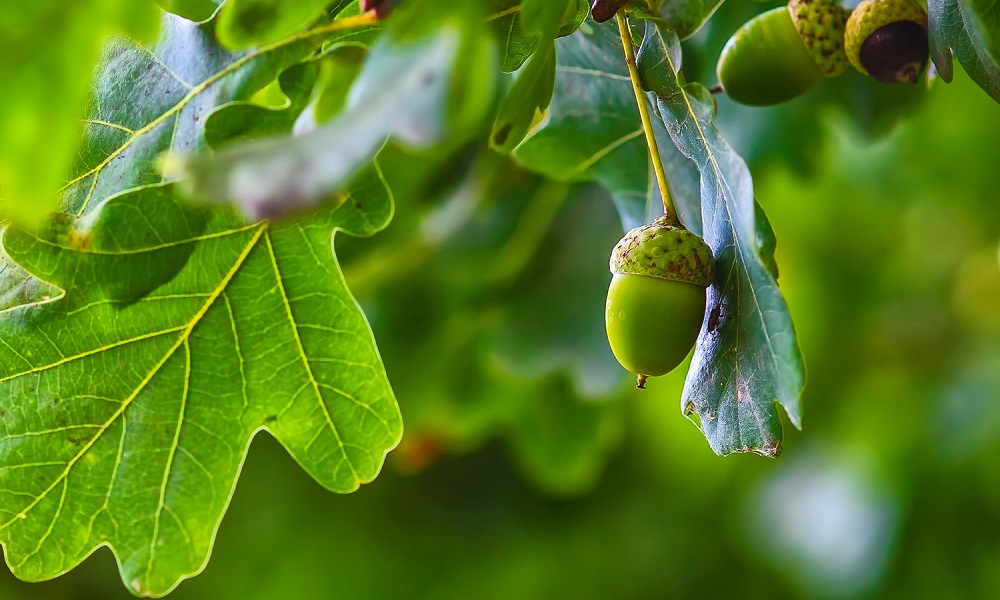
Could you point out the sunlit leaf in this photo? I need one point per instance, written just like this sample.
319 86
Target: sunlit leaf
127 412
159 338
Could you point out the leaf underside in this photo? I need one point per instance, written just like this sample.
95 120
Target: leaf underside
746 357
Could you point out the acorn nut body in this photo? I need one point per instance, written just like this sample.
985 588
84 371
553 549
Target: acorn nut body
887 39
782 53
656 300
605 10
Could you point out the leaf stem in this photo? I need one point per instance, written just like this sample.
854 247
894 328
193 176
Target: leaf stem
647 123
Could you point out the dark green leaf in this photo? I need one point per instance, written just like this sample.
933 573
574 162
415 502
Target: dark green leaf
593 132
531 93
969 30
516 45
746 357
686 17
540 331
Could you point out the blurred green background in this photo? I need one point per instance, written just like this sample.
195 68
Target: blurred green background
532 469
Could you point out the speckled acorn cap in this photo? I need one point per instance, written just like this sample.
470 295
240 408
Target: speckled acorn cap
665 251
871 15
821 24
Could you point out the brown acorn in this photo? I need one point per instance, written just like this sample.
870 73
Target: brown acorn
887 39
605 10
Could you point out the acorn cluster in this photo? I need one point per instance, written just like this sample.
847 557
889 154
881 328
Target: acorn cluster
785 51
661 271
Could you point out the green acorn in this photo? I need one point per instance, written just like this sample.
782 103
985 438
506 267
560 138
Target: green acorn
656 301
782 53
887 39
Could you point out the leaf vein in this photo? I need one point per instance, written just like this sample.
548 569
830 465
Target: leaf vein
305 360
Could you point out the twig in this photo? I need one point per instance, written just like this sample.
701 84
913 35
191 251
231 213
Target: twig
647 124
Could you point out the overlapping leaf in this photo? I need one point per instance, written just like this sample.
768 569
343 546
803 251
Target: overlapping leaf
969 29
429 79
245 23
172 334
531 92
248 120
152 101
746 357
516 44
540 332
593 132
147 100
686 17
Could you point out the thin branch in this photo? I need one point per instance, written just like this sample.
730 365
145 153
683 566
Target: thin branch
647 123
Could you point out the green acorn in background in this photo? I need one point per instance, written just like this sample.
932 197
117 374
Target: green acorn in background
782 53
887 39
656 301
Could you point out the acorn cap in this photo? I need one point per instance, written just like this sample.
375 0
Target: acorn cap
665 251
872 15
820 24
